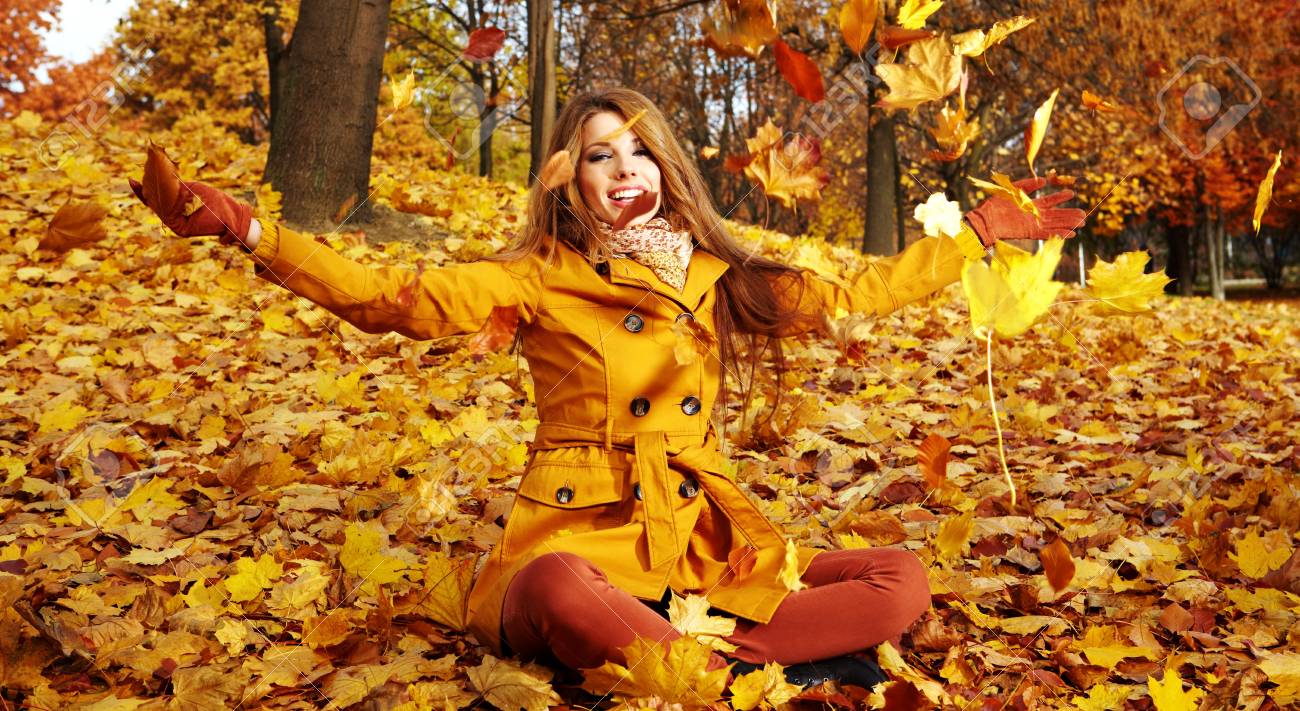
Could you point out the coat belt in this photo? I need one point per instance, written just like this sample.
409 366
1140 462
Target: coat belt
654 464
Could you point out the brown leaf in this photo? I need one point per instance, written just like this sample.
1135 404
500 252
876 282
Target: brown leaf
933 458
497 332
162 183
557 172
879 528
484 43
345 209
800 71
74 225
1176 618
1057 564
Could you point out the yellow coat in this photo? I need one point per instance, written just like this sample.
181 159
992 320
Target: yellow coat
625 468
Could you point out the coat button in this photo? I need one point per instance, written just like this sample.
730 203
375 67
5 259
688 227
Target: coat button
640 406
636 490
633 323
564 494
691 405
602 268
688 488
685 314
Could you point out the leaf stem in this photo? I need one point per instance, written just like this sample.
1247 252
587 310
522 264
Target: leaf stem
993 405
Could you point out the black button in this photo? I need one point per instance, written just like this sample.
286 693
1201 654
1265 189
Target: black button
633 323
691 405
636 490
602 268
564 494
688 488
685 314
640 406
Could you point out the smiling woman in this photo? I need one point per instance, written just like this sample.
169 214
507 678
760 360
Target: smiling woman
626 495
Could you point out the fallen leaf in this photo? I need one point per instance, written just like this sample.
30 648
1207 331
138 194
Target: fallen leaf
75 225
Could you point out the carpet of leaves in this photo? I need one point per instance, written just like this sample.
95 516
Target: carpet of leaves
216 495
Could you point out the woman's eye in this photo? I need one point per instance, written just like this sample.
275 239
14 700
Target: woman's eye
597 156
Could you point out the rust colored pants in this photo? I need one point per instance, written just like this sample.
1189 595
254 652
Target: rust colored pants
561 608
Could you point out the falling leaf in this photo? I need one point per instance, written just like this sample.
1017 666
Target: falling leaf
893 36
511 687
857 19
933 458
913 14
954 534
800 71
497 332
1003 186
932 72
1092 102
789 575
1265 192
407 291
974 43
787 170
939 216
403 92
1122 286
75 225
690 616
953 132
740 28
1038 129
345 209
707 152
622 128
692 341
1058 565
1010 295
557 172
484 43
1168 695
679 677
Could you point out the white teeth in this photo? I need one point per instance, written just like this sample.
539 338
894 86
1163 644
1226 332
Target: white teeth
624 194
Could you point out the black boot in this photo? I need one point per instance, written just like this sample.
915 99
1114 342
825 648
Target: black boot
845 670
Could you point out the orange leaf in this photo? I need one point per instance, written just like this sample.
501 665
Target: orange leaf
406 294
857 18
345 209
162 184
741 561
1092 102
1057 564
557 172
800 71
484 43
645 202
497 332
893 36
933 458
74 226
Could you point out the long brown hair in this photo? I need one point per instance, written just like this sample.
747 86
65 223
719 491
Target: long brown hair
747 312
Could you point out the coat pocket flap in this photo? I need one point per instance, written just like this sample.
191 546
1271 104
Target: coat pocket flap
573 486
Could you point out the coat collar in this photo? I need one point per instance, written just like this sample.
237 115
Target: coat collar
703 271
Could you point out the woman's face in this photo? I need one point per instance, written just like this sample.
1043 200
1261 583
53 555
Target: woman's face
613 171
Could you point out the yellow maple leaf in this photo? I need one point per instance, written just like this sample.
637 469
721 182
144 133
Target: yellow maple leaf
1121 286
690 616
953 535
152 501
740 27
62 417
893 664
679 677
1010 295
766 687
1004 186
1038 128
403 91
1283 670
446 583
1257 555
1265 192
789 575
974 43
364 556
913 14
932 72
1168 693
252 577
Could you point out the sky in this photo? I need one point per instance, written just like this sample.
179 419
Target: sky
84 26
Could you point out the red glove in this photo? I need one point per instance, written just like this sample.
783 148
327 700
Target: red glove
999 218
211 212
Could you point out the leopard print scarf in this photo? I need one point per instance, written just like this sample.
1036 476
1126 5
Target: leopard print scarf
656 245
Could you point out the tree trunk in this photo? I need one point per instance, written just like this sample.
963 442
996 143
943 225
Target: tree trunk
541 79
880 235
323 120
1213 251
1180 261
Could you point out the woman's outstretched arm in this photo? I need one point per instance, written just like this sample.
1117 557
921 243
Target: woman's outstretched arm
440 301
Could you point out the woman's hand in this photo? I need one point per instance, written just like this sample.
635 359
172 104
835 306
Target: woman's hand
201 210
999 218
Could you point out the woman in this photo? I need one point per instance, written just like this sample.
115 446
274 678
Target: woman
624 497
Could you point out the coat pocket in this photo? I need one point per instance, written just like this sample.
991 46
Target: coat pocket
573 486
